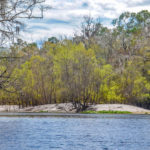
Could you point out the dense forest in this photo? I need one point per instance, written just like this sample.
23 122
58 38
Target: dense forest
99 65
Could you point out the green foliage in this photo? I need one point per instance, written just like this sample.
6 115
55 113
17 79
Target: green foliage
132 22
106 112
53 40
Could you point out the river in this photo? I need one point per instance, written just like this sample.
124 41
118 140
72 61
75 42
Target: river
44 131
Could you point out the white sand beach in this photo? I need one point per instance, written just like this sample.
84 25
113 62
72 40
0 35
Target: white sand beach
68 108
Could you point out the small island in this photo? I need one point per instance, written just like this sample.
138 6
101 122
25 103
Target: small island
74 75
100 70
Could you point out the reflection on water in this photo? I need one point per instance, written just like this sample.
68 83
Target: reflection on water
75 132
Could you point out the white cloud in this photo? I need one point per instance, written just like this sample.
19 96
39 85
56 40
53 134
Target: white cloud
66 15
41 34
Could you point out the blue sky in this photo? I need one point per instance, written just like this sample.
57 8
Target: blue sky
65 17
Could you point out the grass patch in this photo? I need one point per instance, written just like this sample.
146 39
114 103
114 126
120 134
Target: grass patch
43 111
146 113
105 112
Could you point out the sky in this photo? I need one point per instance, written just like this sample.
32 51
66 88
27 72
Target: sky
65 16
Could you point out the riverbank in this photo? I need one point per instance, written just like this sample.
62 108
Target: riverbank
68 108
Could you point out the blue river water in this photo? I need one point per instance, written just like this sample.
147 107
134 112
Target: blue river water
74 132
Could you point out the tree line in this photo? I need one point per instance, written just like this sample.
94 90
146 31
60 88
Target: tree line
98 66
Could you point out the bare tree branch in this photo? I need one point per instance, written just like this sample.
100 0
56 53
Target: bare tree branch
13 11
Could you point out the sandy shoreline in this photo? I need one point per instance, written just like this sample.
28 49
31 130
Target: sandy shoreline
68 108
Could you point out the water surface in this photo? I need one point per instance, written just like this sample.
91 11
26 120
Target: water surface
74 132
